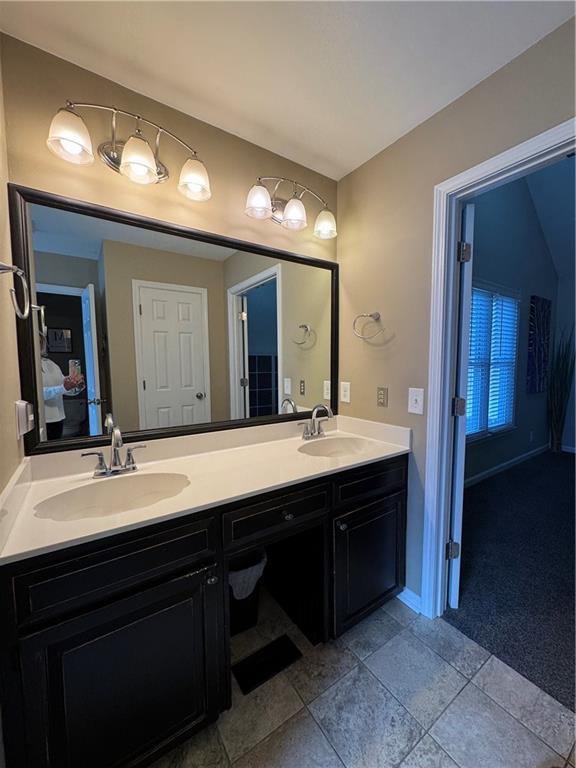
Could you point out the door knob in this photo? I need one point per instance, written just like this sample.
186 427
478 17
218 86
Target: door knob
200 395
342 526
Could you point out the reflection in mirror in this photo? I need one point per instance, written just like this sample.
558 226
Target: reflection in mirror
145 329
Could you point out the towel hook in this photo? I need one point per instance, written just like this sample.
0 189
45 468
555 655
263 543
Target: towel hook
307 331
24 312
375 317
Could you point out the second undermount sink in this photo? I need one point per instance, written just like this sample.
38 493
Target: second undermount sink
112 495
336 447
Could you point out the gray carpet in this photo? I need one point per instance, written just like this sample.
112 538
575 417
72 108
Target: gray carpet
517 581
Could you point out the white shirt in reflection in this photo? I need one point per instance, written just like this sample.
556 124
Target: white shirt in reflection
53 384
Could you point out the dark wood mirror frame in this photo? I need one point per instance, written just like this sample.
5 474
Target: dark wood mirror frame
19 197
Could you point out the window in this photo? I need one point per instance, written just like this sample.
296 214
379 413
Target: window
492 362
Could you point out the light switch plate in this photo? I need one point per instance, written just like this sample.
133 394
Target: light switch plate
287 386
326 390
416 401
345 391
382 397
302 387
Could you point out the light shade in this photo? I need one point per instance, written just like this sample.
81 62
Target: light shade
258 203
68 138
194 182
325 225
138 162
294 214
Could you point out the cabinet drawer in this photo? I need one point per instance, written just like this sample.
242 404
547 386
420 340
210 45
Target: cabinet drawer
250 522
371 481
74 583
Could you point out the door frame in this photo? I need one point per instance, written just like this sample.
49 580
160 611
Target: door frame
138 351
235 348
503 168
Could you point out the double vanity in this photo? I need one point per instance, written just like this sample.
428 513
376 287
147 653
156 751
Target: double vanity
115 596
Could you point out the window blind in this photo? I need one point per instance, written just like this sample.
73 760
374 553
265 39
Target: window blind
492 362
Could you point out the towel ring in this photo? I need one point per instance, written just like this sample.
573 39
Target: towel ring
375 317
307 331
24 312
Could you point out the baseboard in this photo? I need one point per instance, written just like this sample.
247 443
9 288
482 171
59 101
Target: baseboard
569 448
411 599
505 465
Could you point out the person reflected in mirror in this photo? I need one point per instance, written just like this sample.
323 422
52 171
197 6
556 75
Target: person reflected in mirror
54 386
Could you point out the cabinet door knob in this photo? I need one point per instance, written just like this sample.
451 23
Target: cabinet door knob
212 580
288 515
342 526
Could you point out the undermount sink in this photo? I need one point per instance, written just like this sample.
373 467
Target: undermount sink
112 495
336 447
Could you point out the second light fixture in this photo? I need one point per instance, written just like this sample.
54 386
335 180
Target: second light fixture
261 203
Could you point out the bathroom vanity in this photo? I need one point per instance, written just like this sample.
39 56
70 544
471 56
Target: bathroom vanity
115 649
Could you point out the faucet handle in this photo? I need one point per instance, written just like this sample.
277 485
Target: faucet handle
101 465
307 429
130 463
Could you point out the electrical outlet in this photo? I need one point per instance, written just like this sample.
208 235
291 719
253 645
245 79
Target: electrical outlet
326 390
416 401
287 386
345 391
302 387
382 397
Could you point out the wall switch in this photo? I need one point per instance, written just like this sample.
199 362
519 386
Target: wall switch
382 397
287 386
326 390
302 387
416 401
345 391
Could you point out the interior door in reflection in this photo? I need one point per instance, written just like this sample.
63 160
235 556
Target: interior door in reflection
171 323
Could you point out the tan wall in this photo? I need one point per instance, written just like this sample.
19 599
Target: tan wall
10 449
385 235
305 299
122 264
56 269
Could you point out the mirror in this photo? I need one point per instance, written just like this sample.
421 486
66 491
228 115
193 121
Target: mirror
151 329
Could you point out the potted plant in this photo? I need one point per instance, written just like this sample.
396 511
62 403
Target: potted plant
560 377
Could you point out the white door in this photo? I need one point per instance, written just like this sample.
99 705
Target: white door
171 324
91 354
465 308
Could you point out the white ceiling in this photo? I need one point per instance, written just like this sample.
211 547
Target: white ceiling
327 84
74 234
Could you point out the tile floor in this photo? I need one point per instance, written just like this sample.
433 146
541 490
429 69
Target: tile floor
396 690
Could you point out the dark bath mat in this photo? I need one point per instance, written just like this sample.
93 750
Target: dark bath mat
262 665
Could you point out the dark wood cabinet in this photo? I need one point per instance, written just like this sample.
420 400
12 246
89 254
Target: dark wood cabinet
112 686
368 558
113 651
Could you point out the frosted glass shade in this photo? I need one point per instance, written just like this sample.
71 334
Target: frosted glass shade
294 214
194 182
258 203
325 225
68 138
138 162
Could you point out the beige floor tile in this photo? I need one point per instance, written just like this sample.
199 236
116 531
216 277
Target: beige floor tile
400 611
535 709
423 682
320 668
454 647
298 743
477 733
371 633
428 754
204 750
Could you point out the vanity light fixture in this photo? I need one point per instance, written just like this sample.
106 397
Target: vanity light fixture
290 213
69 139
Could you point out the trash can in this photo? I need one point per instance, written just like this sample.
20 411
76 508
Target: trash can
244 575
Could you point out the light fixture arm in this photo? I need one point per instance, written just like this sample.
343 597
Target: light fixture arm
296 185
72 105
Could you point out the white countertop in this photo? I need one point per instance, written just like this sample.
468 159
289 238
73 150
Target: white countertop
215 477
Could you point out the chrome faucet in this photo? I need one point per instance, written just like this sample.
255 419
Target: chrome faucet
313 428
116 466
291 403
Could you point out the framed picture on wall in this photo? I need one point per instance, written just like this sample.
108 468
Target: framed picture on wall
538 344
59 340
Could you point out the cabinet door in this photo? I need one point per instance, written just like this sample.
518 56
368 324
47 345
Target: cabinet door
118 684
369 560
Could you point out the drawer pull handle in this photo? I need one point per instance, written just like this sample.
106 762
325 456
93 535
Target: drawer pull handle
288 516
342 526
212 580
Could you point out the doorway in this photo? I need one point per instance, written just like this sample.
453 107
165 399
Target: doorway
255 332
172 354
